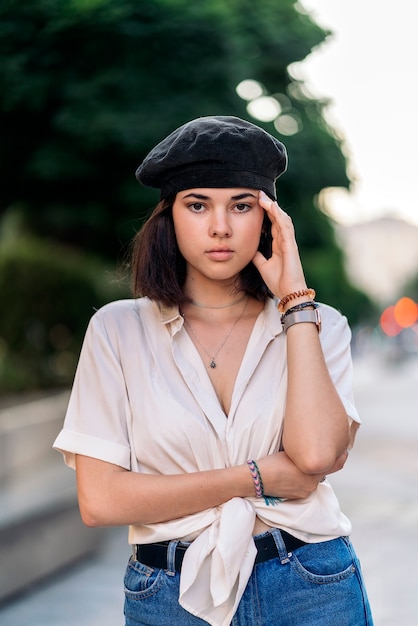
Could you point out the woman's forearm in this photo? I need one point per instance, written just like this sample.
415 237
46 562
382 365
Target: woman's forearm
316 426
111 496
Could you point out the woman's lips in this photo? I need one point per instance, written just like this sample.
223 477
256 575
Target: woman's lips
220 254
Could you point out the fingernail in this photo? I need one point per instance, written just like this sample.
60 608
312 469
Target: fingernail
263 195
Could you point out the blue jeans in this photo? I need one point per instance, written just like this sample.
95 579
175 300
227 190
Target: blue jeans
319 584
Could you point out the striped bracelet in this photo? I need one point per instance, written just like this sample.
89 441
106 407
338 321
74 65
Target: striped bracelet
258 483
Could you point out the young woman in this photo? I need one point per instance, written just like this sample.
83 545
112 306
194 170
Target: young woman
207 412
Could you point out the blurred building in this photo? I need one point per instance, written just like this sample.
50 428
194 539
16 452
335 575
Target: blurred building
381 256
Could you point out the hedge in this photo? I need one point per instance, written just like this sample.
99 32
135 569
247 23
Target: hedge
48 294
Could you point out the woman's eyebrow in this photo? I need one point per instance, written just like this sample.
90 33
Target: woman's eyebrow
197 195
240 196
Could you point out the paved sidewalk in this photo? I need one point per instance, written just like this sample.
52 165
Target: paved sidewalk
89 594
378 490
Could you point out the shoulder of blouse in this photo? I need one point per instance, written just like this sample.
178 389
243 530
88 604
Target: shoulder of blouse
148 311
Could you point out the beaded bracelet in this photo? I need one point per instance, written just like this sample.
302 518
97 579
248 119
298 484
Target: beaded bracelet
300 307
258 484
295 294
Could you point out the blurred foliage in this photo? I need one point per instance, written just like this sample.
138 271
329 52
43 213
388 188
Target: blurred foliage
411 288
49 294
87 87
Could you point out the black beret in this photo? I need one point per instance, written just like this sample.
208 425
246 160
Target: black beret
218 151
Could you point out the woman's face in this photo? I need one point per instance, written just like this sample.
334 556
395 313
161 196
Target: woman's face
217 230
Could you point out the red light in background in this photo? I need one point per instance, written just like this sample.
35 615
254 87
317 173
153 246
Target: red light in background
405 312
388 323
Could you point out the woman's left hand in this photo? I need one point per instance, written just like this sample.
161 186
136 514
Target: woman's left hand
282 272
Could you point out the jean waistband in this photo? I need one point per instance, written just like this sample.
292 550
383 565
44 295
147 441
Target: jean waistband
155 554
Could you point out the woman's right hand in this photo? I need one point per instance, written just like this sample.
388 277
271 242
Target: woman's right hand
283 479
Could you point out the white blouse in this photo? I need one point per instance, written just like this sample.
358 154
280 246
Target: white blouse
142 399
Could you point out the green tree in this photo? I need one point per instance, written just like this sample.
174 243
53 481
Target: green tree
411 288
87 87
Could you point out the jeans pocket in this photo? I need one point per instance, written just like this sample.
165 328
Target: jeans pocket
324 562
141 581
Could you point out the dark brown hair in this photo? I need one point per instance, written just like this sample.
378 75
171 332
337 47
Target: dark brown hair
159 268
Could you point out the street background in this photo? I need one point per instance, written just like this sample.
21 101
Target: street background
378 489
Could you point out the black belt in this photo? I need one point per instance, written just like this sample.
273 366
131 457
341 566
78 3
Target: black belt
155 554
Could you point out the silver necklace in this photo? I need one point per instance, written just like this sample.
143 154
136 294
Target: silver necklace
218 306
212 363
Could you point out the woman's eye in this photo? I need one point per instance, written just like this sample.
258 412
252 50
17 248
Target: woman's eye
197 207
242 208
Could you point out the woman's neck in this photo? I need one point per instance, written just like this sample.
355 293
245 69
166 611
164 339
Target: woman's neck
213 296
226 304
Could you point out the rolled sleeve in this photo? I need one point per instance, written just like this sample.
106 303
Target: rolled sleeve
95 424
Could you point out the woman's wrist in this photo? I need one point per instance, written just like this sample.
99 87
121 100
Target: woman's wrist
308 305
296 301
259 485
237 482
298 296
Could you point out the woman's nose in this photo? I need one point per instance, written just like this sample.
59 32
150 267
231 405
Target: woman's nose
220 225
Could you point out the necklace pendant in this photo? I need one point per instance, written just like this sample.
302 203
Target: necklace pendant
212 364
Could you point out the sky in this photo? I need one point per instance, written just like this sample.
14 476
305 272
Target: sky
368 69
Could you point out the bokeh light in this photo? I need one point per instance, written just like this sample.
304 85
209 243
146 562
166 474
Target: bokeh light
249 89
388 323
288 124
264 108
400 316
275 108
405 312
